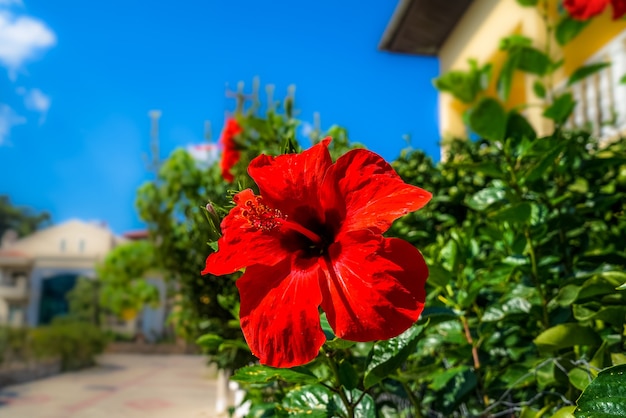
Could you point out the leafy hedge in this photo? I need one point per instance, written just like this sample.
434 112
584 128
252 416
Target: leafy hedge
75 344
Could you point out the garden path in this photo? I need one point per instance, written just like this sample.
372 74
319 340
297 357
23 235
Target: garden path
121 386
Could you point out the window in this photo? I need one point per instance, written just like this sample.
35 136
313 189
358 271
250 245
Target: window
62 245
81 246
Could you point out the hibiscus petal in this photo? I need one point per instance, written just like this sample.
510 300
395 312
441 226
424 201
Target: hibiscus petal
279 312
241 245
374 288
585 9
619 8
291 182
230 154
368 193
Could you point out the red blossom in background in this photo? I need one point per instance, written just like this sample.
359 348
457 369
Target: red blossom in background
314 238
230 153
586 9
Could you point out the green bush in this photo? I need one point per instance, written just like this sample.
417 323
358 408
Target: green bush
76 344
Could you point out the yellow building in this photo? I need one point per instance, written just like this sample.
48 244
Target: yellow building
458 30
38 270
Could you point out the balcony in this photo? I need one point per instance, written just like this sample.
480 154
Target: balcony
601 97
14 288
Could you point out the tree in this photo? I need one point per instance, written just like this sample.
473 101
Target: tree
22 220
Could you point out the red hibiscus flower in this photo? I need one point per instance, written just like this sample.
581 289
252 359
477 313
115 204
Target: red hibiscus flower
314 238
586 9
230 153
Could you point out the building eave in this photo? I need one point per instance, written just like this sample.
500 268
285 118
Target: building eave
421 27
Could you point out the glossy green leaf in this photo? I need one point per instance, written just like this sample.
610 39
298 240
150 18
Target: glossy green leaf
512 306
309 401
568 28
605 397
366 408
265 374
488 119
566 335
485 198
386 356
586 71
561 109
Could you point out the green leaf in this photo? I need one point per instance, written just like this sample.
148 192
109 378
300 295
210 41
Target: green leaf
568 28
566 335
519 213
605 397
567 295
518 127
622 80
265 374
537 171
505 78
488 119
539 89
438 276
462 85
527 3
594 311
366 408
512 306
579 378
560 110
210 341
565 412
586 71
514 41
485 198
309 401
488 168
387 356
533 61
347 375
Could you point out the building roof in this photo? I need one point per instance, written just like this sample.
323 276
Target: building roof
14 258
421 26
136 234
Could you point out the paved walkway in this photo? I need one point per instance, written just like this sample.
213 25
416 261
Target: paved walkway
121 386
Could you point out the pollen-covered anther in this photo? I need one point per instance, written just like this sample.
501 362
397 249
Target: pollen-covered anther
261 216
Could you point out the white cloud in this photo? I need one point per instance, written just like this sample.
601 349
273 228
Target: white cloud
22 38
8 119
36 100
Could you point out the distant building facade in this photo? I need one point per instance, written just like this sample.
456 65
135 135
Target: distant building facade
37 271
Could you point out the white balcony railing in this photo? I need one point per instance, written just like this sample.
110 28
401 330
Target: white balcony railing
601 98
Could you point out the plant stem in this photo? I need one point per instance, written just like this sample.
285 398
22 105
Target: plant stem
414 401
470 341
338 389
535 277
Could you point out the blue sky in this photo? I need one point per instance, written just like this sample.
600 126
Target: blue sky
77 79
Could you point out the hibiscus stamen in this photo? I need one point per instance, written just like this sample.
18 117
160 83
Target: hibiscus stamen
260 216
